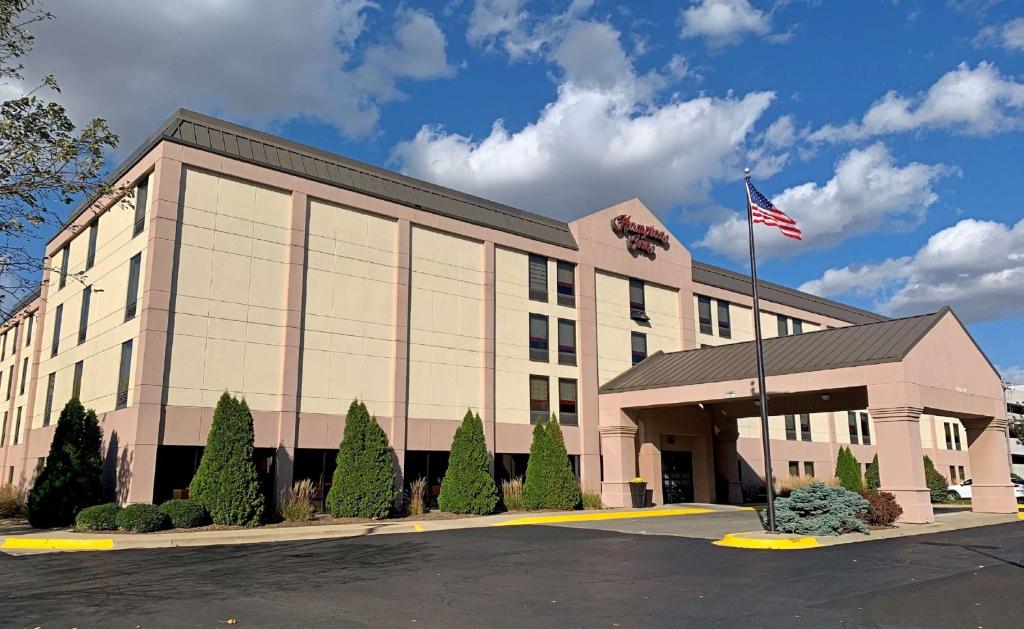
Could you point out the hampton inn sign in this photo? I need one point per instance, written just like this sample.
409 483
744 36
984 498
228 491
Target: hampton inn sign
640 239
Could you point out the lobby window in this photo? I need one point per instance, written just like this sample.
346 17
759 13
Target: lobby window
28 329
141 198
17 426
538 277
566 284
57 316
24 376
949 435
724 323
51 382
124 375
704 314
538 338
851 420
805 427
131 301
798 326
794 468
637 303
865 429
952 474
567 402
808 468
956 436
962 475
783 323
90 256
63 281
540 404
791 427
566 342
76 380
638 346
83 318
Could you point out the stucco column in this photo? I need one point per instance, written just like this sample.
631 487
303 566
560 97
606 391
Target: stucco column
991 489
727 459
586 312
618 446
400 377
649 457
901 460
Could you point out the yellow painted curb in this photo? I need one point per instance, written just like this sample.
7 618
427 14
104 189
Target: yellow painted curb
41 543
594 517
739 540
418 528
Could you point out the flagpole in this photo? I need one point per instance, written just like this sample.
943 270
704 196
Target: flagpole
766 442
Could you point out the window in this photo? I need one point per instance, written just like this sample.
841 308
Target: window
704 314
57 316
63 281
10 381
83 318
28 330
3 431
808 468
805 427
949 436
124 375
76 380
134 268
17 426
538 338
566 284
90 256
567 407
538 277
48 407
540 406
783 325
851 419
14 339
962 475
638 344
637 304
790 427
865 429
794 468
798 326
566 342
141 197
952 474
24 376
956 436
724 323
3 347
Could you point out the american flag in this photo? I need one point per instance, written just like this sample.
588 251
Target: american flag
762 210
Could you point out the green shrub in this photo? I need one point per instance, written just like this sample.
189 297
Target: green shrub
227 484
938 485
591 500
512 494
297 502
883 510
141 518
185 513
97 518
364 478
550 482
71 478
821 510
871 478
9 502
848 471
468 486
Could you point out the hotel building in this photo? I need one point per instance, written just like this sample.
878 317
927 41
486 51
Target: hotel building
302 280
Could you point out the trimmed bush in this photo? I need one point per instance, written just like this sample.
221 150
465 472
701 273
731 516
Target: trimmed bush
882 508
71 478
185 513
848 471
468 486
97 518
227 484
938 485
364 478
141 518
9 502
550 481
821 510
871 478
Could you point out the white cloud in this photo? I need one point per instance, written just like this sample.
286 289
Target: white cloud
975 266
135 62
1013 374
867 192
1009 35
600 141
979 101
723 22
508 25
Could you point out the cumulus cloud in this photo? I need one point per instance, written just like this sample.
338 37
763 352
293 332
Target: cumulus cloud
868 190
1013 374
723 22
602 139
975 266
135 62
510 26
974 101
1009 35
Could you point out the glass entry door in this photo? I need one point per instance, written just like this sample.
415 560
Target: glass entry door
676 477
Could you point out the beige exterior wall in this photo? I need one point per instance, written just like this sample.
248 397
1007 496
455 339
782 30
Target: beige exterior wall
18 345
750 427
614 354
348 324
231 301
513 366
446 325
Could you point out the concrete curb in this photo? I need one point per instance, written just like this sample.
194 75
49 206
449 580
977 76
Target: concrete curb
759 540
43 543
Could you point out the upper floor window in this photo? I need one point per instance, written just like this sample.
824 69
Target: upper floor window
17 427
3 431
791 427
956 435
949 435
805 428
58 315
638 346
566 284
798 326
3 347
83 318
134 270
90 256
567 402
28 329
24 376
724 322
538 338
865 429
637 303
851 421
538 277
566 342
124 375
48 407
704 314
10 382
783 325
14 339
540 404
76 380
141 198
65 252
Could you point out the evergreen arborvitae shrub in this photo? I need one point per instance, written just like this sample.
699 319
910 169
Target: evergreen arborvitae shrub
97 518
468 486
821 510
71 478
364 478
871 478
550 481
185 513
227 484
141 518
938 485
848 471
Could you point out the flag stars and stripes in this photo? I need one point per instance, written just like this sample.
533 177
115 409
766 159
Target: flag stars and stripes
763 211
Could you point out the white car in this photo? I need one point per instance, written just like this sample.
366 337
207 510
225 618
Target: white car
963 490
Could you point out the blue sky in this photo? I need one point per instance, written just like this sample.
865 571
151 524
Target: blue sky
891 129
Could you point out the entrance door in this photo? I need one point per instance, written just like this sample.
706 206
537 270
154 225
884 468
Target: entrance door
676 477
